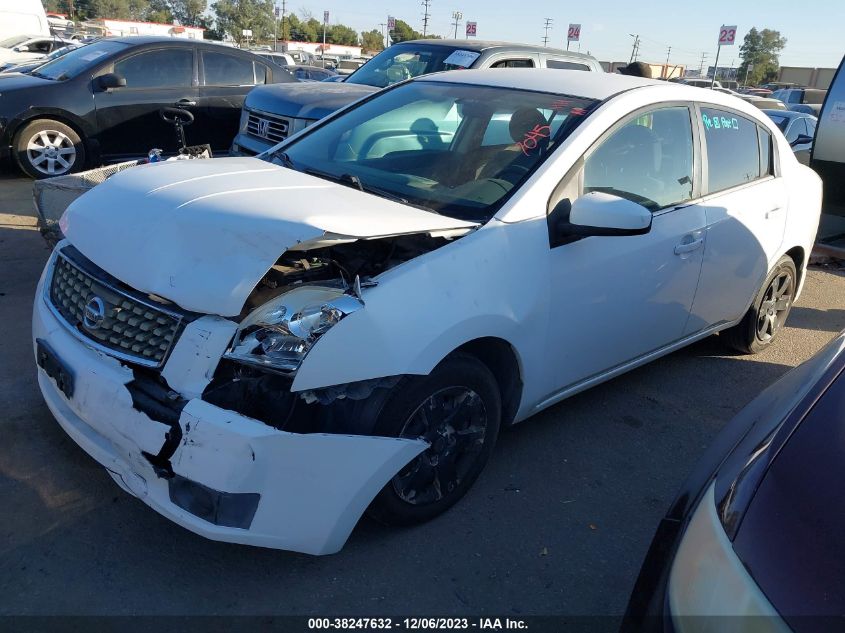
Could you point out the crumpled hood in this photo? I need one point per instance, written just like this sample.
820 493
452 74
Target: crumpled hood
305 100
202 233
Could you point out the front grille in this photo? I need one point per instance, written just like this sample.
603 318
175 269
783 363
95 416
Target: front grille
130 327
271 128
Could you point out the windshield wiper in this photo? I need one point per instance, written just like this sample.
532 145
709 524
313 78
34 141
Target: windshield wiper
286 161
355 181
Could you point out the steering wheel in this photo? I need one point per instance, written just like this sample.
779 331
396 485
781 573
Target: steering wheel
176 115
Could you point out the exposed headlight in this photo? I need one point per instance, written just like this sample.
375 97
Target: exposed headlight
280 333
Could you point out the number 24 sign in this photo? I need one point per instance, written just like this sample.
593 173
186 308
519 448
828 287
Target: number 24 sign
727 35
574 33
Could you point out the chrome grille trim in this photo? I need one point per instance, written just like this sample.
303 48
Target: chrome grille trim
172 324
277 128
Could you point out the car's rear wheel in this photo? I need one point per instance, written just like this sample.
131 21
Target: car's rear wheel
766 316
457 410
47 148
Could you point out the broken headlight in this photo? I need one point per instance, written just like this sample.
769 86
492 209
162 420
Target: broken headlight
278 335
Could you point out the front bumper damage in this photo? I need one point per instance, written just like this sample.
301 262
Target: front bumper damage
218 473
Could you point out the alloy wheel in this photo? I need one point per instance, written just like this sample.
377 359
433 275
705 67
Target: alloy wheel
775 306
51 152
454 423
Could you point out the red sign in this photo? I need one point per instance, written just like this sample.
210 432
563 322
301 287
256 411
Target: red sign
472 29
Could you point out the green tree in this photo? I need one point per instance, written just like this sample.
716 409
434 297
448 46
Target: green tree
341 34
760 49
403 32
233 16
188 12
372 40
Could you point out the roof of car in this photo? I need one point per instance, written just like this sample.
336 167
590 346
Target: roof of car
788 114
483 45
592 85
153 39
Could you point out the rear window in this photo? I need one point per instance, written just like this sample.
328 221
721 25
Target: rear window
564 65
733 152
227 70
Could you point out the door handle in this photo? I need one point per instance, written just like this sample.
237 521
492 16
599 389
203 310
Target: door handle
771 212
184 103
689 247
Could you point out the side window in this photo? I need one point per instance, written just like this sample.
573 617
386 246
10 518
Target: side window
766 158
797 128
649 160
811 126
170 68
260 73
227 70
733 156
514 63
564 65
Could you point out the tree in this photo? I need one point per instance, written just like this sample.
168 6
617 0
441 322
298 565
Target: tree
233 16
188 12
341 34
760 49
403 32
372 40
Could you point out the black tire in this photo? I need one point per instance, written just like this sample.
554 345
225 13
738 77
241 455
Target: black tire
63 150
768 313
415 494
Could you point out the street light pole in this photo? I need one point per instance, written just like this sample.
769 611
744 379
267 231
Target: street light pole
457 16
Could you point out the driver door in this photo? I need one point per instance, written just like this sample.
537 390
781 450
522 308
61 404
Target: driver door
128 118
616 299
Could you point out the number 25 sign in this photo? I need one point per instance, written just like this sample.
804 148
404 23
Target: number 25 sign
727 35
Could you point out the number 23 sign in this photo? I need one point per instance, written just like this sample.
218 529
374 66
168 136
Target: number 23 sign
727 35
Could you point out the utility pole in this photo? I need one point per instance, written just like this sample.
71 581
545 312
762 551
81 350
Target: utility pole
546 26
635 49
284 39
383 26
701 66
426 6
668 53
457 16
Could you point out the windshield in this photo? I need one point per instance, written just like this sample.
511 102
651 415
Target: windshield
77 60
403 61
454 149
11 42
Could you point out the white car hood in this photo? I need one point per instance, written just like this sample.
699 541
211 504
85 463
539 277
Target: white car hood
202 233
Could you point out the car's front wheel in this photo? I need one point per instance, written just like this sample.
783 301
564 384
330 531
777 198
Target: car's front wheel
457 410
46 148
767 315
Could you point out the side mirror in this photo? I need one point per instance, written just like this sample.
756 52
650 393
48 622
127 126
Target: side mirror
601 214
23 48
110 80
802 139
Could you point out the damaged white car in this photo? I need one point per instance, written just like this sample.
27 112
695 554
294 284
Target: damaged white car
261 349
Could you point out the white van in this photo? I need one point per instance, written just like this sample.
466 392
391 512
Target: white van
22 17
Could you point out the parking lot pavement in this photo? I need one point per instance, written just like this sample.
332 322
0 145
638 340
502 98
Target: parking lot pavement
558 523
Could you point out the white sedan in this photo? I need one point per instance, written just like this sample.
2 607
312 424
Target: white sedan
261 349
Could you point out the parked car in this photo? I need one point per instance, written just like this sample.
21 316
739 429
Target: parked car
288 109
828 161
280 59
24 48
60 21
759 92
349 66
335 78
348 321
27 67
794 96
311 73
59 120
698 82
799 130
22 16
755 532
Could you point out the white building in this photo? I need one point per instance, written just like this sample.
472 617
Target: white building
127 27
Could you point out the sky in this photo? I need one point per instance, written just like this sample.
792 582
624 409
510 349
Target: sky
813 30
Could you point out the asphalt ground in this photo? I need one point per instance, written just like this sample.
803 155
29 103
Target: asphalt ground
557 524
